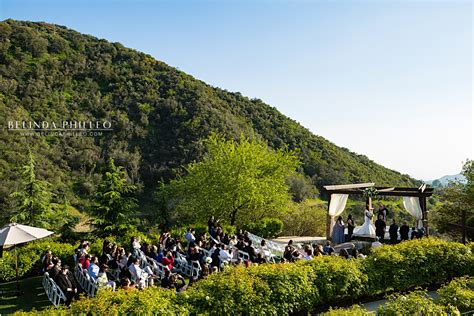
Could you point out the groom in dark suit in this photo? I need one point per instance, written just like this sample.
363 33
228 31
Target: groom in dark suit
380 228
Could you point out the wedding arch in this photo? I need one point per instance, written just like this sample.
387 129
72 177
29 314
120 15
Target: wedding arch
414 200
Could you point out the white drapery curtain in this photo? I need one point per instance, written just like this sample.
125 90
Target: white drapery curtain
337 206
412 205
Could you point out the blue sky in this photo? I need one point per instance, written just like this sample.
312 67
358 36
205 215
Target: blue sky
388 79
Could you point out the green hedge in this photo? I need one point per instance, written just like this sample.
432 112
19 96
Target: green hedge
419 262
280 289
29 258
414 303
459 293
354 310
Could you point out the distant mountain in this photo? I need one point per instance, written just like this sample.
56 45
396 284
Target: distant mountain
443 181
160 117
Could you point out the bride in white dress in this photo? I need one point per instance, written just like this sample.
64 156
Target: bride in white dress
368 229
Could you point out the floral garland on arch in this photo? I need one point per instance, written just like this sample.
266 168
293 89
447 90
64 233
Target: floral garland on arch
370 192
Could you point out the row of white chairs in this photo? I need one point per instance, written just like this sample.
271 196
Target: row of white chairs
276 249
53 292
88 284
189 269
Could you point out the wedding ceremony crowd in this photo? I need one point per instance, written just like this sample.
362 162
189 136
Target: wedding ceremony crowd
176 263
140 265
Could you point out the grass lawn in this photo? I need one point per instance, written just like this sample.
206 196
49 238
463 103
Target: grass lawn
33 296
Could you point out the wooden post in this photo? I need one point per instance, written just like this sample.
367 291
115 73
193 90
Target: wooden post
424 213
328 220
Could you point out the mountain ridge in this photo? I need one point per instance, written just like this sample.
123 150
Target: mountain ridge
160 114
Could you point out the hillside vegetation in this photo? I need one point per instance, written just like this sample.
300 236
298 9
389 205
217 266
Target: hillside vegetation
160 118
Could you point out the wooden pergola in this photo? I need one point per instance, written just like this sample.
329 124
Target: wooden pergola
358 189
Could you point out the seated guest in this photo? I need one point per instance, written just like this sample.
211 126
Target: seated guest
166 281
93 269
85 261
290 253
170 281
260 259
139 277
317 250
251 251
343 253
216 261
102 280
168 260
66 284
189 236
308 253
328 249
122 258
224 255
47 261
154 253
56 269
126 284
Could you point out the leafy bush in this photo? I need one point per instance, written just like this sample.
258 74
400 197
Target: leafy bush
155 301
414 303
337 278
232 292
354 310
266 227
307 218
29 258
151 301
415 263
459 293
291 287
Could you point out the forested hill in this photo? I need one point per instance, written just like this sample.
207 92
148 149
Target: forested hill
160 115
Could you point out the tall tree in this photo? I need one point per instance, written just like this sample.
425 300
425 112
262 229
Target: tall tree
237 181
33 199
114 201
457 206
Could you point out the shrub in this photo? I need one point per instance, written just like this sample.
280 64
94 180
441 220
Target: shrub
266 227
415 263
232 292
291 287
414 303
459 293
29 258
354 310
133 302
337 278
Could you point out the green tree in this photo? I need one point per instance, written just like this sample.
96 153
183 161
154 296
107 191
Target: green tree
238 181
33 200
301 187
114 201
457 204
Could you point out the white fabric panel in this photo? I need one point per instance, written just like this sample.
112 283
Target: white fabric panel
337 204
412 205
336 207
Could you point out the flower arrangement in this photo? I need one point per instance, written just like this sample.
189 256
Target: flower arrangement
370 192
